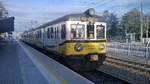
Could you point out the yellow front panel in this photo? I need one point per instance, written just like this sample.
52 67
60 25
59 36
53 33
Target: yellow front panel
88 48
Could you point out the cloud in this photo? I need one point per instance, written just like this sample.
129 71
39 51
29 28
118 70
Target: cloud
24 14
47 10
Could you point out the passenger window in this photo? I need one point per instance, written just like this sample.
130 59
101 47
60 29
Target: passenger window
40 33
48 35
55 33
63 31
37 34
52 32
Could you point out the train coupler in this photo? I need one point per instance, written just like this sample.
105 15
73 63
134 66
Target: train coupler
93 57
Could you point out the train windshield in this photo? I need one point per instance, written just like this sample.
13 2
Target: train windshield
77 31
100 31
91 31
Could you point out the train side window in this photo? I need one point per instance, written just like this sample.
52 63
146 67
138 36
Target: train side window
40 33
55 32
36 34
63 31
48 35
52 32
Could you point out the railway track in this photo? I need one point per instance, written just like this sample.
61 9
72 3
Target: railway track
135 66
99 77
127 70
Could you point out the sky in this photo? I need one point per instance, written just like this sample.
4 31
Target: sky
32 13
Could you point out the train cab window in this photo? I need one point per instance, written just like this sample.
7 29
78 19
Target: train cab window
90 31
100 31
77 31
63 31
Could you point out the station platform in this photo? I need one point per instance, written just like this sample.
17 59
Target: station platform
21 64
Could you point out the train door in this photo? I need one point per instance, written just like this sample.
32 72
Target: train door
57 38
43 37
63 32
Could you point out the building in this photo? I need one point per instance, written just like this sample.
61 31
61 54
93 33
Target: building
6 22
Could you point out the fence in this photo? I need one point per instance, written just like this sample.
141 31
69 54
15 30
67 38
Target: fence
129 49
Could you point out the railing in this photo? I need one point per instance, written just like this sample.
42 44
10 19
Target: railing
129 49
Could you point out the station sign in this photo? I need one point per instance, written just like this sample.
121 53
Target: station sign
6 24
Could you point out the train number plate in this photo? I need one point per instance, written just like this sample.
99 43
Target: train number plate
93 57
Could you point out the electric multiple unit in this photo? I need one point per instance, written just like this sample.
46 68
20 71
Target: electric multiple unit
79 38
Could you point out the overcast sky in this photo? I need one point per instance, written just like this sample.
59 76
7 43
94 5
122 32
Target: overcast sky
42 11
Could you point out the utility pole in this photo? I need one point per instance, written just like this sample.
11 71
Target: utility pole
141 19
147 20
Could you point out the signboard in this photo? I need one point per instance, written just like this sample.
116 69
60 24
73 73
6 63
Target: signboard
7 24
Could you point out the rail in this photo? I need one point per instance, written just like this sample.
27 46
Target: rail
128 70
143 69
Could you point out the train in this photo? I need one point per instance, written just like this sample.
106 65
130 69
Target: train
79 38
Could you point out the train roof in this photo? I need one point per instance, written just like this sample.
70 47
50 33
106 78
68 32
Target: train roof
70 17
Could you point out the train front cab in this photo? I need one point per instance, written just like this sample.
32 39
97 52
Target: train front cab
85 42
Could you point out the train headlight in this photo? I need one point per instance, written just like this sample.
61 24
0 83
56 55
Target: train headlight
90 12
78 47
102 46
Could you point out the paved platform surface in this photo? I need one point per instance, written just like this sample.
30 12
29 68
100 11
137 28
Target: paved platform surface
53 71
16 67
22 64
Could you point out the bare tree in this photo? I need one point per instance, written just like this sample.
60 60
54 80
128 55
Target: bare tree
3 11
